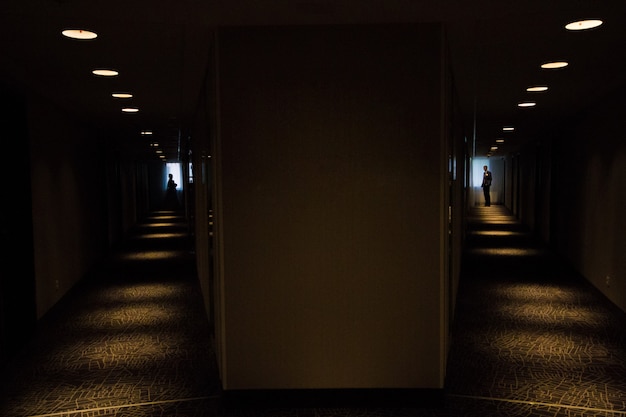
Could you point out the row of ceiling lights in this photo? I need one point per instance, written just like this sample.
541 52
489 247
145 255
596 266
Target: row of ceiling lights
573 26
101 72
82 34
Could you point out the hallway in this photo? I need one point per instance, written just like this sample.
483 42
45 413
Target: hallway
133 340
529 339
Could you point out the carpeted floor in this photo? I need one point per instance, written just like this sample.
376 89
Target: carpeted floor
132 340
530 338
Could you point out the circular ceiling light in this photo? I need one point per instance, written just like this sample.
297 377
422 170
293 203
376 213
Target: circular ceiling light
537 88
105 72
79 34
527 104
554 65
122 95
583 24
130 109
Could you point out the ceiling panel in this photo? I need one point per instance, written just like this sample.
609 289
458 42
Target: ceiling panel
161 49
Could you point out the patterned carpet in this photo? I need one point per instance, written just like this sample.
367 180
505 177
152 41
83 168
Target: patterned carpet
133 340
530 338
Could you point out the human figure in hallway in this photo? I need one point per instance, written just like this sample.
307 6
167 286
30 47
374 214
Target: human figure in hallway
171 199
487 178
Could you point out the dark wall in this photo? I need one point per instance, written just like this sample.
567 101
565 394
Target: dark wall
331 218
17 276
572 188
69 199
589 181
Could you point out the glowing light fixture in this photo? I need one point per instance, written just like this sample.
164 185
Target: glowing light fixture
583 24
527 104
537 88
122 95
508 128
105 72
554 65
79 34
146 132
130 109
499 140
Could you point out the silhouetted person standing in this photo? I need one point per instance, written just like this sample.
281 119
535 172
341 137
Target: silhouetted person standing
171 199
487 178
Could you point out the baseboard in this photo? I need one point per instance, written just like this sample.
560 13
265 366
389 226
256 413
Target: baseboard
333 398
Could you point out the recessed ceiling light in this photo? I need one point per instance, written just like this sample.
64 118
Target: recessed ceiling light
130 110
146 132
527 104
537 88
499 140
122 95
508 128
105 72
79 34
493 148
583 24
555 64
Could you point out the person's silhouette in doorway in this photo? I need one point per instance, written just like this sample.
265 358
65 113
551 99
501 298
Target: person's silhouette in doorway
487 178
171 199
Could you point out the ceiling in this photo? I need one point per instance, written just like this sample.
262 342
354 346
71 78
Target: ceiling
161 47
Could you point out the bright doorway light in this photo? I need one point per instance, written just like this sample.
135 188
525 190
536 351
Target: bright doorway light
477 170
175 169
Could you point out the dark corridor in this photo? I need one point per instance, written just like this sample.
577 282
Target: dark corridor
530 338
131 340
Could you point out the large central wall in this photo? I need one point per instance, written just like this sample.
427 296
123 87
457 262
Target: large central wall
329 214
